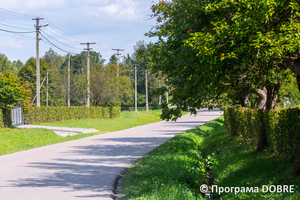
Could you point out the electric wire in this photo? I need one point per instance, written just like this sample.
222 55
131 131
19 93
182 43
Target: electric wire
70 36
15 27
62 30
14 13
8 31
60 42
56 45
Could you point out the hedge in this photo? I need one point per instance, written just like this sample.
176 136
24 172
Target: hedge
282 127
5 118
56 114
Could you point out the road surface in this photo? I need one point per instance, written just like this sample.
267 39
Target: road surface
85 168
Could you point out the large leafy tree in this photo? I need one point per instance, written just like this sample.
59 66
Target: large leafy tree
109 89
13 92
207 48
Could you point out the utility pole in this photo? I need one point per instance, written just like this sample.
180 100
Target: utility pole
47 84
69 100
118 58
135 89
37 27
88 70
146 84
159 100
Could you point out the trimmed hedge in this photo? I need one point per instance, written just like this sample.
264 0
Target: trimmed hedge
56 114
282 127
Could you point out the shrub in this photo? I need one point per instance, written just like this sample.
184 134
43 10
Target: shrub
55 114
282 127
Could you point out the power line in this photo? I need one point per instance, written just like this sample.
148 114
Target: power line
15 27
55 45
70 36
8 31
17 36
63 31
60 42
14 13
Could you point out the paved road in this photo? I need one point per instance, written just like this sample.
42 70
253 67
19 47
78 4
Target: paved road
86 168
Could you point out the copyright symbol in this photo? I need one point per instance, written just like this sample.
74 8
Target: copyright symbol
203 188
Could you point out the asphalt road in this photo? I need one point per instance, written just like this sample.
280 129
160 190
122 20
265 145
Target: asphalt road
85 168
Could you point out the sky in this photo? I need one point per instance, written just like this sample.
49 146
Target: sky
111 24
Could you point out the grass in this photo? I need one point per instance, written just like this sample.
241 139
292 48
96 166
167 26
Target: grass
127 120
240 165
176 169
14 139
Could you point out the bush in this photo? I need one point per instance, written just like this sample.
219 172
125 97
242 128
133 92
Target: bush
282 127
56 114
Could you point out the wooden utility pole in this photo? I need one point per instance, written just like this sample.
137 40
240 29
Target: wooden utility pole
146 84
47 84
69 79
37 27
118 58
135 89
88 70
159 100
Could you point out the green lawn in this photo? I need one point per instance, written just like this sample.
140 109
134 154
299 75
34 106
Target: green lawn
127 120
207 154
174 170
14 139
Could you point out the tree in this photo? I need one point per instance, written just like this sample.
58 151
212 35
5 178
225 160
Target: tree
208 48
109 89
5 64
16 65
13 92
113 59
141 58
53 58
28 74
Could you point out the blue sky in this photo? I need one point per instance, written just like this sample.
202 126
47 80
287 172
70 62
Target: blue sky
109 23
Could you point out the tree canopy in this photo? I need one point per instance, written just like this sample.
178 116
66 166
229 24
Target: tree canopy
13 92
209 48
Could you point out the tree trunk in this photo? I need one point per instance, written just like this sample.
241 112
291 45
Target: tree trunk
244 100
262 143
272 95
262 97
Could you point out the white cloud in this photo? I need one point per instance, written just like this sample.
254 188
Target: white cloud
110 23
11 43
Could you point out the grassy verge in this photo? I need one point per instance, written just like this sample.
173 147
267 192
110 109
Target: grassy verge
241 166
127 120
176 169
14 140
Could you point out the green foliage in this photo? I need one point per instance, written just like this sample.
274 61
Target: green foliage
105 112
1 119
5 118
282 128
207 48
289 94
28 74
241 166
283 131
13 92
115 112
56 114
174 170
